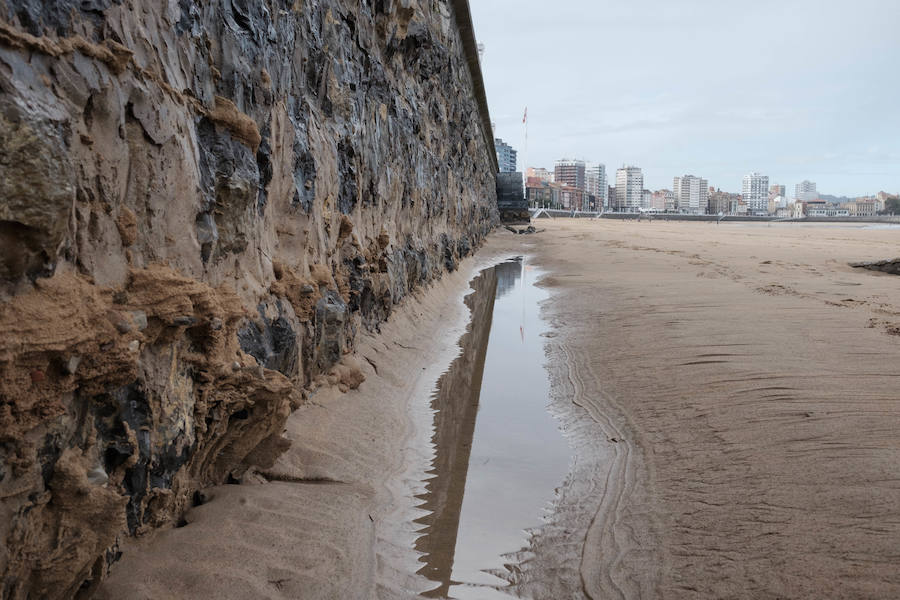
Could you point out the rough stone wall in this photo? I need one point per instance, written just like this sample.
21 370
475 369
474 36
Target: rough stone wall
201 203
891 266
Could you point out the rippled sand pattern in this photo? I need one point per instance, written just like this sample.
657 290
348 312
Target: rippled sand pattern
736 411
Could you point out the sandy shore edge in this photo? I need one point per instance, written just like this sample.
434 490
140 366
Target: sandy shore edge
323 522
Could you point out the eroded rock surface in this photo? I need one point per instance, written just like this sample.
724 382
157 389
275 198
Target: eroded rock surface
201 204
891 266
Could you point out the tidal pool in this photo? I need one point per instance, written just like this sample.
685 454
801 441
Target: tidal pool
499 454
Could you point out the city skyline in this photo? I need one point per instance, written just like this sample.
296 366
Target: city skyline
812 99
736 187
576 184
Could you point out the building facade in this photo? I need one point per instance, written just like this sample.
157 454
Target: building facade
542 194
805 191
776 204
755 191
723 203
882 198
538 173
572 198
663 200
825 210
546 194
595 183
629 189
570 173
691 194
862 207
506 156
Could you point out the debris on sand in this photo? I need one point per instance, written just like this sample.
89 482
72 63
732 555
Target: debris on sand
529 229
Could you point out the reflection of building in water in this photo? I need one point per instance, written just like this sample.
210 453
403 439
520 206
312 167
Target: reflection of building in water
508 274
456 406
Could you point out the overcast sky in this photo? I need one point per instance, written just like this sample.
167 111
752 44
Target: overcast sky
794 89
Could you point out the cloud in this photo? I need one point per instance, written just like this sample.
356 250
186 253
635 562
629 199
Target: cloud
714 88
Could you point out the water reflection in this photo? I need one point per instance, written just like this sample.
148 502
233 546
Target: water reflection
456 405
508 275
491 476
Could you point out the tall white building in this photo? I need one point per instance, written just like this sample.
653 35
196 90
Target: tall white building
805 191
691 194
591 181
756 193
629 188
595 183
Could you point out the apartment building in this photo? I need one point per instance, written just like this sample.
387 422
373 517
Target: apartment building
506 156
805 191
570 172
755 191
629 189
691 194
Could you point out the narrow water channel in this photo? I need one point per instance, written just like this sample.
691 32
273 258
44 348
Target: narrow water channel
499 454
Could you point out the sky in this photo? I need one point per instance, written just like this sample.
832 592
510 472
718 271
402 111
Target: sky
793 89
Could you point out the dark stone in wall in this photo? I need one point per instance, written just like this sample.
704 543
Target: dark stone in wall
231 189
347 196
264 166
330 340
127 406
55 15
274 345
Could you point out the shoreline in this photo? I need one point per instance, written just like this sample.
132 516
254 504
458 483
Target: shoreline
557 213
727 395
346 486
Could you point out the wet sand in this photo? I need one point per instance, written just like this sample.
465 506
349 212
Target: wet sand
731 394
746 381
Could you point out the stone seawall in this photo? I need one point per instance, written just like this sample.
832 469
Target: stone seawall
200 206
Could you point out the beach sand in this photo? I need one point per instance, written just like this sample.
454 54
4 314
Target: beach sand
731 393
750 380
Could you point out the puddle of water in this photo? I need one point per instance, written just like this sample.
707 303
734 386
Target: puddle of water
499 454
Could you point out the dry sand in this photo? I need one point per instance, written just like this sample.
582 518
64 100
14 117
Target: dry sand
731 393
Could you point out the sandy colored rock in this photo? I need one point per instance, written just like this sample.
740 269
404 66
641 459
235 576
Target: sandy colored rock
321 275
301 293
127 224
241 126
348 373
